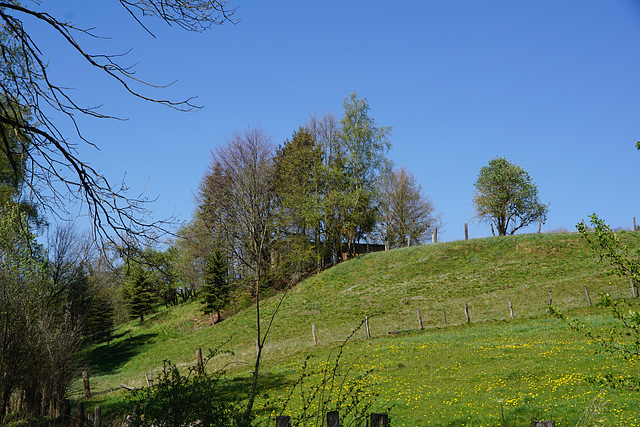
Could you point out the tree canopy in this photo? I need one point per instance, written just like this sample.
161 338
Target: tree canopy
506 197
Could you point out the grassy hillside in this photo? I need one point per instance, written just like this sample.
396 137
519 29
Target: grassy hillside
456 375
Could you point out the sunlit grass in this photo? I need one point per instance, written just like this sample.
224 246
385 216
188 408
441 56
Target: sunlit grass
528 367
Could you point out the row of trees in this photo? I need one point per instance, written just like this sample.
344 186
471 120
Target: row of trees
47 304
63 286
268 215
59 295
278 214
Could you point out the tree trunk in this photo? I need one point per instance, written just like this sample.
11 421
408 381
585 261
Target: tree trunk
254 384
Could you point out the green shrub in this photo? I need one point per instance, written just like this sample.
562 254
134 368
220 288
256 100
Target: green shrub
180 400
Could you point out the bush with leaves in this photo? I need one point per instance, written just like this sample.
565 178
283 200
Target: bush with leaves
608 246
178 399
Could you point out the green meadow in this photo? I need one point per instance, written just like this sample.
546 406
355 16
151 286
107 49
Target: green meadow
491 371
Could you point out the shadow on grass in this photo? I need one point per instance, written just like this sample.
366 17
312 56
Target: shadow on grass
232 390
106 358
237 389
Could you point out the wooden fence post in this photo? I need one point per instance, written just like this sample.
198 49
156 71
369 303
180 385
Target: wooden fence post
466 312
434 238
367 332
333 419
510 308
419 318
466 231
199 365
586 291
97 416
539 225
283 421
313 332
81 414
379 420
634 224
151 376
64 409
634 290
87 388
444 314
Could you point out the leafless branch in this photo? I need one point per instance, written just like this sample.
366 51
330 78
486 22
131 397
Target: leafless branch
52 173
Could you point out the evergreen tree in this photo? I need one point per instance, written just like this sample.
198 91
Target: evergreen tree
100 315
139 291
297 182
78 296
215 290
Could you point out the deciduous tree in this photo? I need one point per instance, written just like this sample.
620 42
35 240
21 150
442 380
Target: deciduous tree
34 320
405 214
506 197
366 145
243 193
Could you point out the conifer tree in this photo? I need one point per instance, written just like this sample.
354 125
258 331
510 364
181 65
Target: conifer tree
215 290
138 291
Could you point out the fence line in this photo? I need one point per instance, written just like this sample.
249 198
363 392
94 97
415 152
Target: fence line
467 309
377 420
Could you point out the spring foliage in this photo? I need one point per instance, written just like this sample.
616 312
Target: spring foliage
506 197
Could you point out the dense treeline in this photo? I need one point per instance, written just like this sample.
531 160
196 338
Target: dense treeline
280 214
47 299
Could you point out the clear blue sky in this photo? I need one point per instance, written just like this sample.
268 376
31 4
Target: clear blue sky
554 86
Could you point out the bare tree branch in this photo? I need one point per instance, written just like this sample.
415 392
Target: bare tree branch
51 170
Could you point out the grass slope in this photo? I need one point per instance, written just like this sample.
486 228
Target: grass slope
527 367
